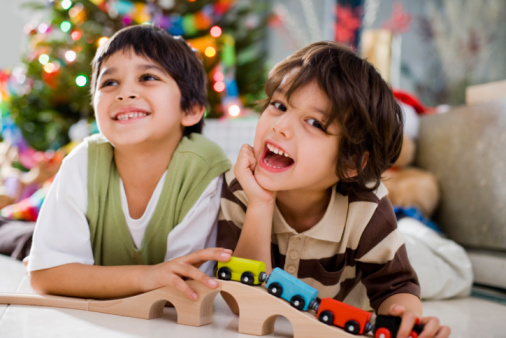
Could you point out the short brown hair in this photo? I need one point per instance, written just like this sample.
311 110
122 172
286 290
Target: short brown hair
172 53
361 102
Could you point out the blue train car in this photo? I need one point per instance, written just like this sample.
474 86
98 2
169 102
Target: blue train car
300 295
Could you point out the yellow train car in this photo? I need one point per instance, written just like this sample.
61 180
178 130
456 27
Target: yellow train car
246 271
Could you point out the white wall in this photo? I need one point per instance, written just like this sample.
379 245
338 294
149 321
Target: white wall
304 22
13 41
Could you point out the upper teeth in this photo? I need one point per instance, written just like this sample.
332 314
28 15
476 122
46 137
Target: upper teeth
131 115
276 151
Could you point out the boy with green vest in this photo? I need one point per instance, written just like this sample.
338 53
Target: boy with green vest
134 208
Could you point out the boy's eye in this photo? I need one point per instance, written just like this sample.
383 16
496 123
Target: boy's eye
108 83
315 123
148 77
279 106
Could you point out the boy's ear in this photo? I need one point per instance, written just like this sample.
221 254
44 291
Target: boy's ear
353 172
193 115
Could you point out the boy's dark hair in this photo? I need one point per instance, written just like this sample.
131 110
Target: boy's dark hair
172 53
361 102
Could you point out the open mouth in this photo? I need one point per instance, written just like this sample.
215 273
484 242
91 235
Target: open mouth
276 158
130 116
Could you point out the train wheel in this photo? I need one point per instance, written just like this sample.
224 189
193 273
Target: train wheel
352 326
382 333
224 273
326 317
297 302
368 327
247 278
275 289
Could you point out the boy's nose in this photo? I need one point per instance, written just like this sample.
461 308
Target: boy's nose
282 127
125 96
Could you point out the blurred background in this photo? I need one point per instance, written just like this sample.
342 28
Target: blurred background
433 49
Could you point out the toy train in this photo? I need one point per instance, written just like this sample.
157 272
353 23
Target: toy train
300 295
304 297
243 270
345 316
387 327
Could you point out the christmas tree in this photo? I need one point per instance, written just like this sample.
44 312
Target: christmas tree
49 92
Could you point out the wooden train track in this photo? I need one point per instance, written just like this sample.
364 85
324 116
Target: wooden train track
257 309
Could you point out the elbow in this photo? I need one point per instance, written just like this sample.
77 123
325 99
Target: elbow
39 281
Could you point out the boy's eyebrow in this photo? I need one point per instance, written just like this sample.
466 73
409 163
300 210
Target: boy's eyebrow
315 109
279 90
107 71
112 70
151 66
326 114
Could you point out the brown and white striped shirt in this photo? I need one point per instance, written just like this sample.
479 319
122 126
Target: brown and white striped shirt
355 253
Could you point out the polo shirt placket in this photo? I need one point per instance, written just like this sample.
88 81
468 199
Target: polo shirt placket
293 254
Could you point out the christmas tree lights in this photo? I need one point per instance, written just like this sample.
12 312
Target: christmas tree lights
50 91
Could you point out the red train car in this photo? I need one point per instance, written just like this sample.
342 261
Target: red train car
345 316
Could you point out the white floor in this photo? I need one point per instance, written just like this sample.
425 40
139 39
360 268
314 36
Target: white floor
470 317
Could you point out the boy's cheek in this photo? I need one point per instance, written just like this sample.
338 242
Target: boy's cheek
257 147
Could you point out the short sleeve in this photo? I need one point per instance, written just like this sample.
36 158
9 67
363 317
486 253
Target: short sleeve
62 233
382 258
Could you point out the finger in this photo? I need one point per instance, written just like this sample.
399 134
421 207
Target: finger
246 149
192 272
250 157
245 152
224 257
443 332
208 254
252 164
408 321
431 326
245 164
182 286
396 310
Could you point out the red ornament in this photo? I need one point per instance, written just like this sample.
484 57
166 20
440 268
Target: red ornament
51 79
347 24
400 21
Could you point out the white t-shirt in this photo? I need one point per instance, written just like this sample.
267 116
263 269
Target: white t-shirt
62 233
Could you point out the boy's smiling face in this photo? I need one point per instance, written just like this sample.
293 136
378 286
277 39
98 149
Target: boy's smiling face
137 102
292 149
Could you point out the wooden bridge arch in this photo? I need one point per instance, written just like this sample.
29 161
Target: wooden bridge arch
258 309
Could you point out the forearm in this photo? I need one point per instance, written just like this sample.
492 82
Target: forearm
89 281
255 239
409 301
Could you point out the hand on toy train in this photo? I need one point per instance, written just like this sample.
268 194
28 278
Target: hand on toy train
172 273
432 326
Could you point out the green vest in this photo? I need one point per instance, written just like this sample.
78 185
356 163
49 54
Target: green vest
194 164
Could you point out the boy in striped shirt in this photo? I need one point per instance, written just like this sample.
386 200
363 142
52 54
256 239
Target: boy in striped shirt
307 196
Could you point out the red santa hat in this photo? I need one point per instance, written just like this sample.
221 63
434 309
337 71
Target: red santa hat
411 107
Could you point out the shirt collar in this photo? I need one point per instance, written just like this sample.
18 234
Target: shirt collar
330 228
